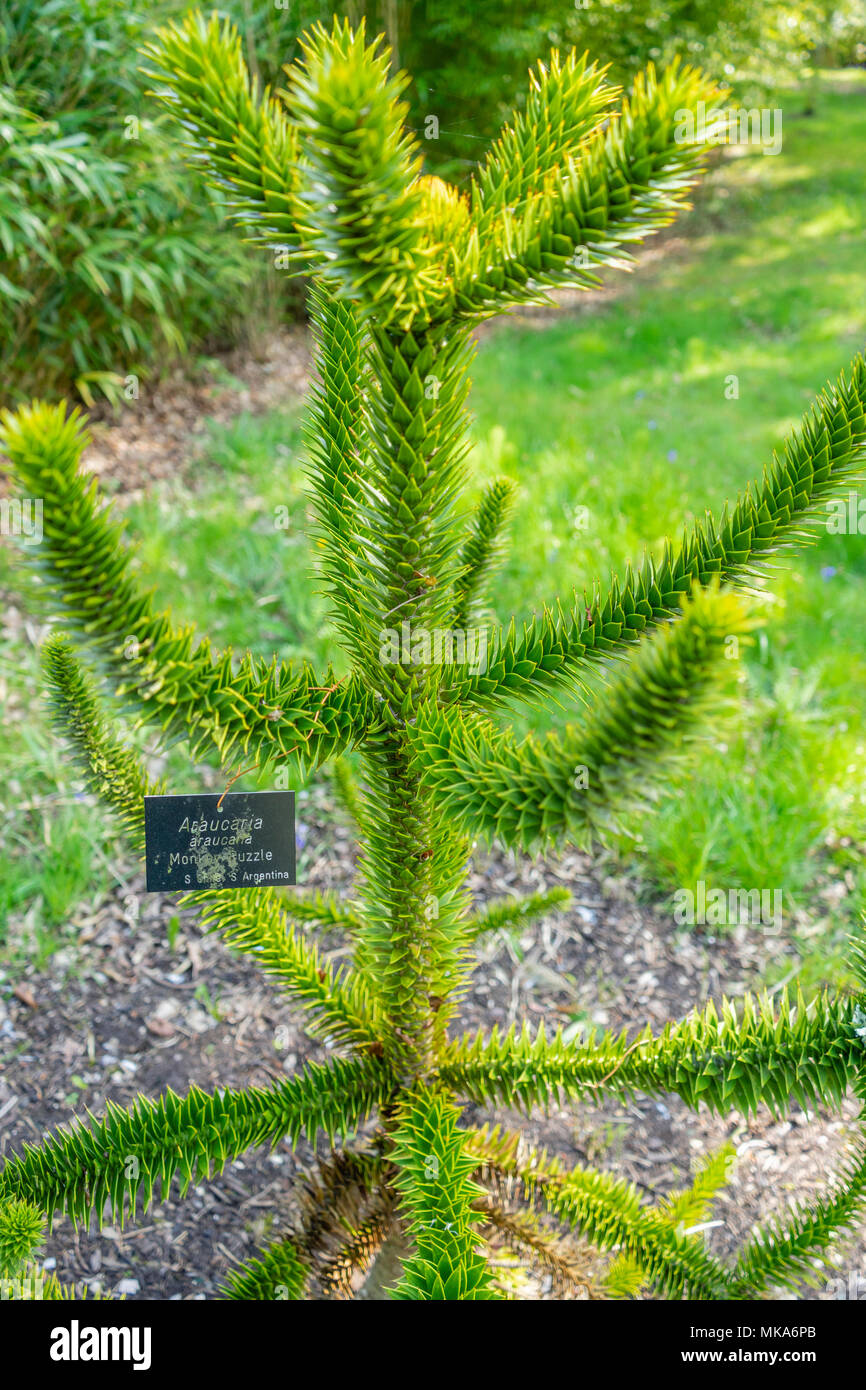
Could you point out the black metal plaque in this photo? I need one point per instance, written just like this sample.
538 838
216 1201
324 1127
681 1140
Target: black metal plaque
248 843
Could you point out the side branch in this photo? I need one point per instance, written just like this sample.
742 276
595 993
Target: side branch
579 786
80 1169
828 451
747 1057
338 1003
608 1212
268 711
630 180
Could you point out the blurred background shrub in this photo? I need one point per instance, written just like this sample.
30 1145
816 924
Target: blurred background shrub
112 255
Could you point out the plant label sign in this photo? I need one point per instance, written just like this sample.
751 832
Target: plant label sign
240 840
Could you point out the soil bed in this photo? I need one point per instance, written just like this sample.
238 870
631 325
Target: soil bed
121 1012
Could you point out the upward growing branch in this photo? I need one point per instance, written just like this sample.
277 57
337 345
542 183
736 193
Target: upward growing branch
271 711
572 213
826 452
359 206
240 135
578 785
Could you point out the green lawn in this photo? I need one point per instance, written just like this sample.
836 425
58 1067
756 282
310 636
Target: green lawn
614 420
622 410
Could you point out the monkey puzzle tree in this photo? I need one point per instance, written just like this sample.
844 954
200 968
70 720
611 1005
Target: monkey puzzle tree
403 268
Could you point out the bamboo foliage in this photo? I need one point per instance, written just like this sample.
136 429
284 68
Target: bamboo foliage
402 267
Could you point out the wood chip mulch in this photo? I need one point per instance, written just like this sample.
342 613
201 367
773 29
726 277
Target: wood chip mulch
121 1011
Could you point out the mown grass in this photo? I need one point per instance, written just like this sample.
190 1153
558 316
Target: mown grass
234 553
624 410
615 421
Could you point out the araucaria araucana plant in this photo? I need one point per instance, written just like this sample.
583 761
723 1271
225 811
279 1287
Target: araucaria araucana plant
403 267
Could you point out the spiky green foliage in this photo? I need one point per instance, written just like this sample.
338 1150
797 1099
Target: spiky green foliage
629 180
22 1278
784 1251
684 1209
32 1282
113 770
608 1211
575 787
403 267
113 1160
322 910
359 203
434 1179
755 1055
516 912
566 102
280 1273
240 135
22 1227
339 1003
483 546
268 709
693 1204
336 445
827 452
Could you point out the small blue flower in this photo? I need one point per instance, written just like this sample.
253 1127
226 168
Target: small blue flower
827 571
639 395
672 455
652 424
300 834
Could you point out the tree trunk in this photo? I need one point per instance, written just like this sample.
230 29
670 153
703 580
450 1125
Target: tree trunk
387 1267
